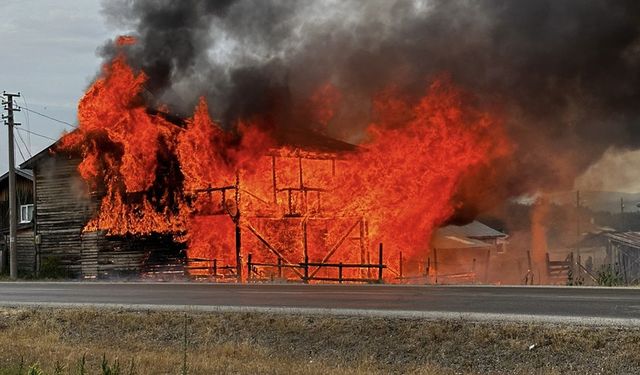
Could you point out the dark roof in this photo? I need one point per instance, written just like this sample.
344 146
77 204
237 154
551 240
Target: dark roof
442 240
464 236
310 140
302 138
26 173
29 163
474 229
595 238
631 239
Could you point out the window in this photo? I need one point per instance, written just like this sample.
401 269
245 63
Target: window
26 213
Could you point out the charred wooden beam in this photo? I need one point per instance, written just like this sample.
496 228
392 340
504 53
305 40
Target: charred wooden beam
271 248
336 247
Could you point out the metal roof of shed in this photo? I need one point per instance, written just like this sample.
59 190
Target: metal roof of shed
631 239
467 236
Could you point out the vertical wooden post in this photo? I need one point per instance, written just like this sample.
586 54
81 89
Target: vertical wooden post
300 173
380 263
249 276
305 250
13 213
238 254
279 268
400 265
473 269
238 231
215 268
340 273
578 230
367 245
486 266
541 277
610 255
428 268
303 191
306 269
273 176
363 259
435 264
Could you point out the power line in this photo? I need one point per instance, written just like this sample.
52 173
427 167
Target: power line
38 134
20 150
49 117
28 119
25 146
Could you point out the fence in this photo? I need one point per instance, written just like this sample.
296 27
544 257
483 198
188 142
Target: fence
307 271
210 268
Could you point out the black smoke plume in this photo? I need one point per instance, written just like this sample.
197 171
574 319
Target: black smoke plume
565 72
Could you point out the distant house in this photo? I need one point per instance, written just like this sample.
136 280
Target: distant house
462 253
623 255
26 248
592 248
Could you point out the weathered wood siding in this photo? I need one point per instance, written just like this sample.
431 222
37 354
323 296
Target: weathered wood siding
25 249
131 256
26 252
63 207
24 195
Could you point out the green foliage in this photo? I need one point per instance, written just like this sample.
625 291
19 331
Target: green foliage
82 365
35 370
51 268
132 368
21 367
574 280
58 369
82 368
185 344
609 276
113 369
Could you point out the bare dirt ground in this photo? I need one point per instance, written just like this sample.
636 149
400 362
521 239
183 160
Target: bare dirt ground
260 343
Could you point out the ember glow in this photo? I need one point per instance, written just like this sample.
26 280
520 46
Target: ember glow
206 185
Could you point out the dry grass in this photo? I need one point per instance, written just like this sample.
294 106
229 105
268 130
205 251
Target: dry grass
253 343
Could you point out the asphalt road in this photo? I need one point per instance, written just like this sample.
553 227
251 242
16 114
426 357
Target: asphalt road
577 304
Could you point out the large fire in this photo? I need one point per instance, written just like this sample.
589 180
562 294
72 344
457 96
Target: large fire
209 187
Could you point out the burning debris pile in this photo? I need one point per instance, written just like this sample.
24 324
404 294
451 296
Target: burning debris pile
218 122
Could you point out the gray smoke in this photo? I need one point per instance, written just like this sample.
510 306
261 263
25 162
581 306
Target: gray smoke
566 72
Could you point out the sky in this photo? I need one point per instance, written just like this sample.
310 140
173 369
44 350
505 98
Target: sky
49 54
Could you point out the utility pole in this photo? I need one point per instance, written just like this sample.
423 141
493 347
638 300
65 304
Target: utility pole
578 234
9 121
578 219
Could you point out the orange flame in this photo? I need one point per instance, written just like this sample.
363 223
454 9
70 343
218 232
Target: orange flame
198 181
126 40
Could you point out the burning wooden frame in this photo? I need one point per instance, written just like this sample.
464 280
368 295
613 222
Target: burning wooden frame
299 210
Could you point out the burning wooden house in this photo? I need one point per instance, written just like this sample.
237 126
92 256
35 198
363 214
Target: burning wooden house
135 190
236 222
